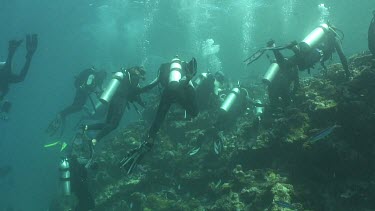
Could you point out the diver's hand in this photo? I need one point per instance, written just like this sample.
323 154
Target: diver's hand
13 45
31 44
292 44
134 156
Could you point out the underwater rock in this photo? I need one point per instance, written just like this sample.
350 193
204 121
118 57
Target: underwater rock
263 165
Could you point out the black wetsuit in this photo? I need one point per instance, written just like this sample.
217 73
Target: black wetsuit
205 92
7 77
128 92
80 186
305 60
183 95
281 85
371 36
83 92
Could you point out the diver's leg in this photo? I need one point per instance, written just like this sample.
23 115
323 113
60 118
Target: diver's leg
189 102
77 105
164 105
13 45
115 113
31 45
342 57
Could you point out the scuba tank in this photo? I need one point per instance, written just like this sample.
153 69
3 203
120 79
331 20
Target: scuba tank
175 73
271 73
65 176
112 87
230 99
314 38
202 77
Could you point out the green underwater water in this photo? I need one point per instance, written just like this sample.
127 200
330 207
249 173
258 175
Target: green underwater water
256 169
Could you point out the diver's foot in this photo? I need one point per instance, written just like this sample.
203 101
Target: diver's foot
31 43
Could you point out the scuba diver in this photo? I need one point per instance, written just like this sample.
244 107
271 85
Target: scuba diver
6 75
318 46
175 77
208 86
236 102
88 81
73 177
280 77
371 35
123 89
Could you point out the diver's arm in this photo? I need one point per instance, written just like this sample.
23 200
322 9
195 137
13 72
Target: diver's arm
149 86
12 47
343 59
153 83
280 59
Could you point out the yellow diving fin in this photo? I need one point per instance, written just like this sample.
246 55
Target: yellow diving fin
52 144
63 146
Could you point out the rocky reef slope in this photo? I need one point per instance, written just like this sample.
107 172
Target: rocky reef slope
273 164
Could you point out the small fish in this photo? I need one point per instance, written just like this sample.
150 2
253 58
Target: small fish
194 151
322 134
285 205
218 145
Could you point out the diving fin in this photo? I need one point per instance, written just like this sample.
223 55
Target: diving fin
51 144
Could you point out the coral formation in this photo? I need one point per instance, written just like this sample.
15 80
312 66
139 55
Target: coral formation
264 164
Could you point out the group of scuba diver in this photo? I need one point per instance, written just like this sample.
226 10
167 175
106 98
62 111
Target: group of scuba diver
179 84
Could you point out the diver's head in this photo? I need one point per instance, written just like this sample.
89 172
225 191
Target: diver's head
137 73
100 76
219 76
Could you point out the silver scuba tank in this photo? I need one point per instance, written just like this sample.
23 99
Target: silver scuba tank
314 38
175 73
65 176
200 79
230 99
271 73
112 87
